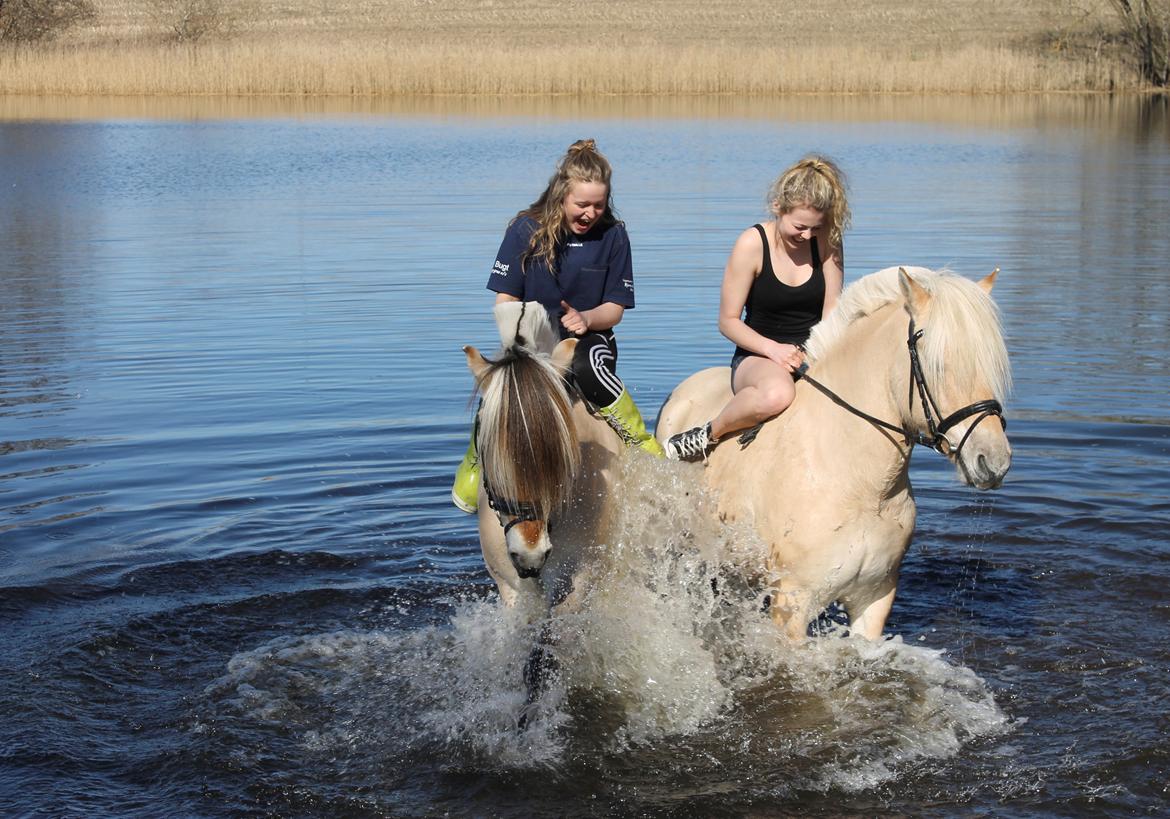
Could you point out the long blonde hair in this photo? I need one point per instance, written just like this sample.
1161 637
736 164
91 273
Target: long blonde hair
814 182
581 163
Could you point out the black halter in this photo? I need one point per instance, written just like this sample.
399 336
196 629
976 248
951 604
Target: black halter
936 432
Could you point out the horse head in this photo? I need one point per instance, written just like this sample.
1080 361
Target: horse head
526 438
959 373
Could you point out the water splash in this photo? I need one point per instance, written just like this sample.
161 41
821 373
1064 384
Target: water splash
665 648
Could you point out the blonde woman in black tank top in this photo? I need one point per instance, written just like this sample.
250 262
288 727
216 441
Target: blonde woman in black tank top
786 274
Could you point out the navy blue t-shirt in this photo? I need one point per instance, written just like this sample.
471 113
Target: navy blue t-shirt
592 269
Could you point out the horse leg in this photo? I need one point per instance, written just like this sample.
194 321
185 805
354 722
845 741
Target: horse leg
790 608
508 594
538 671
869 619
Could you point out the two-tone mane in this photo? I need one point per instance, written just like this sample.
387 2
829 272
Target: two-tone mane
962 338
527 441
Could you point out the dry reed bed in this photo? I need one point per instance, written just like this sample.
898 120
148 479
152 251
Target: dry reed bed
360 68
420 47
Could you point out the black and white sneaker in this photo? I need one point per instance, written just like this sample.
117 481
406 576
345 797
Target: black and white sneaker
690 445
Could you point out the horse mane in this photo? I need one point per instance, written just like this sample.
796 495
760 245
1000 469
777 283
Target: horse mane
527 441
962 338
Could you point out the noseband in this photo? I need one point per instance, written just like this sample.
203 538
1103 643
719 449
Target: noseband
935 436
510 512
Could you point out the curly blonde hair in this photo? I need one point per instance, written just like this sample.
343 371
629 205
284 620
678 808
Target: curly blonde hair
581 163
815 182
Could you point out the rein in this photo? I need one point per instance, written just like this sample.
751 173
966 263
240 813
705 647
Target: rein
935 437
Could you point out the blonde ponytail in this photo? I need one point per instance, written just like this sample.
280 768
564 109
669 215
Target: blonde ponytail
816 182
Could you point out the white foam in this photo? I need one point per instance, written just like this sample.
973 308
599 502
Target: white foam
650 654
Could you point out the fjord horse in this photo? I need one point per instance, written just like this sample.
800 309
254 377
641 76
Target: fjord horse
546 461
826 484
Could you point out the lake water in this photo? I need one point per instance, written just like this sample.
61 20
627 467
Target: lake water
232 397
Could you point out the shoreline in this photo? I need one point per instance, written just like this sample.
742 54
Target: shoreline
966 110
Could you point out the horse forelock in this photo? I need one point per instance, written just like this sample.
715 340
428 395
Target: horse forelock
527 441
962 338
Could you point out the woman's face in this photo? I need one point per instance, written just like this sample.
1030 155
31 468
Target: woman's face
583 205
799 224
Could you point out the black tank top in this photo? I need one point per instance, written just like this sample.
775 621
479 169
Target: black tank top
780 311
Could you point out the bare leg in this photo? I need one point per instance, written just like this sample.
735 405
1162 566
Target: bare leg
763 389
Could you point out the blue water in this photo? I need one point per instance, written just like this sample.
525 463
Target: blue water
232 397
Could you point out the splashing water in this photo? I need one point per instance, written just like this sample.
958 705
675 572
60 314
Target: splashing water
665 658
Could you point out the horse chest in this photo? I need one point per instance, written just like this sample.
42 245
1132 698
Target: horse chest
838 548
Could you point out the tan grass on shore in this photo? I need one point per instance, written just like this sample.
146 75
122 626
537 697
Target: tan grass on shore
373 69
420 47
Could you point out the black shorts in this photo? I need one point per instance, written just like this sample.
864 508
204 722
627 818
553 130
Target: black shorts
736 360
741 357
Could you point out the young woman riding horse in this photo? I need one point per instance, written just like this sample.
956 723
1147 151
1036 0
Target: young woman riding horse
787 273
568 251
909 356
542 454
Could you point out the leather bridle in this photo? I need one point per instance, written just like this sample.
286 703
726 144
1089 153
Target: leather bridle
935 436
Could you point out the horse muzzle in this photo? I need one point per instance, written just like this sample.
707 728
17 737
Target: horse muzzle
528 565
528 547
527 572
985 467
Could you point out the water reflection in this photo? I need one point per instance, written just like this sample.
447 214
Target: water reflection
1116 113
46 292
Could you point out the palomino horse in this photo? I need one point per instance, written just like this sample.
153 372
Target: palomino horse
826 484
545 459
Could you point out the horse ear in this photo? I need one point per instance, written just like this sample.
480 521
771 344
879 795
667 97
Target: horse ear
562 356
475 361
988 281
916 296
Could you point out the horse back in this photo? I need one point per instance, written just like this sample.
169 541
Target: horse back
695 401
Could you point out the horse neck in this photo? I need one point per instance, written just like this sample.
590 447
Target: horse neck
869 369
599 445
871 365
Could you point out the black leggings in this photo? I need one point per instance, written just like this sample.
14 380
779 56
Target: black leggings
595 369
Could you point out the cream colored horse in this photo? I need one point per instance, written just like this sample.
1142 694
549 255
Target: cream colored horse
547 462
827 489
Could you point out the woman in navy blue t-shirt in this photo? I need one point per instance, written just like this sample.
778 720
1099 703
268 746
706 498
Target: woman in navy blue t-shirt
568 251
